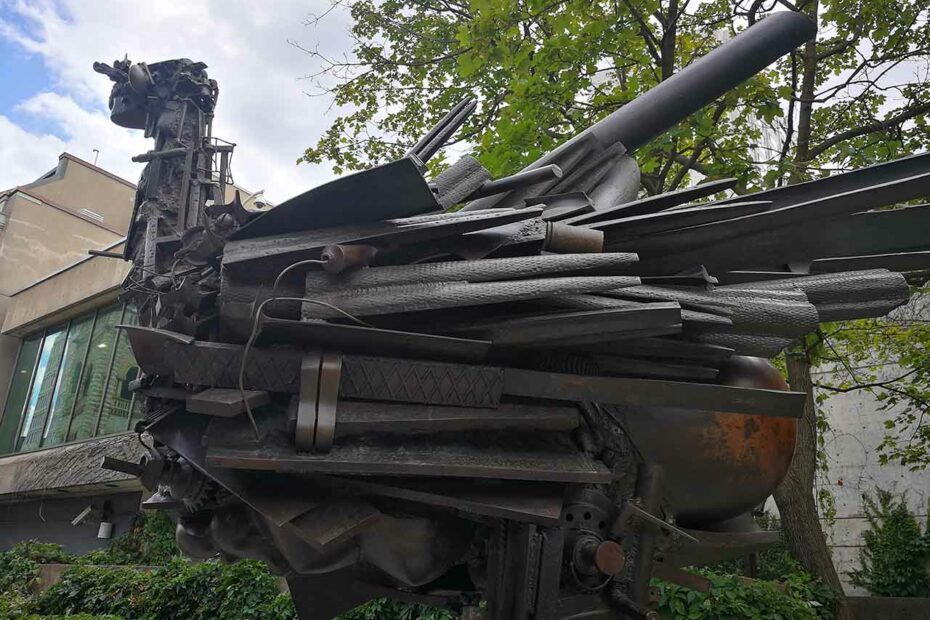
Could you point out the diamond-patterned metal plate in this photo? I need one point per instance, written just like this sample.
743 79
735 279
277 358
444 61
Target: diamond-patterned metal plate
374 378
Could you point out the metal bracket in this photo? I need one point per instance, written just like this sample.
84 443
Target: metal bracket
631 511
319 395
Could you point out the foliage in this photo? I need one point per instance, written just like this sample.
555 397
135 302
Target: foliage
386 609
19 567
800 598
890 358
150 541
895 560
202 591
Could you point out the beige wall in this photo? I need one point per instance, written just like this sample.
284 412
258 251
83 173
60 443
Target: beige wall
79 185
9 347
39 240
88 284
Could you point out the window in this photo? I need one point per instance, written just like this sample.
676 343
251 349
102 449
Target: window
19 389
71 382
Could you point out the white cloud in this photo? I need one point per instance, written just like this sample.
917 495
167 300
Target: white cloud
261 107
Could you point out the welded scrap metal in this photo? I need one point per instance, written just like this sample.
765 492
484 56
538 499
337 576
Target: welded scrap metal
389 379
618 230
876 174
367 301
657 203
876 232
756 345
440 133
870 284
308 244
357 417
527 502
653 393
503 455
665 348
615 366
393 190
225 402
357 339
847 295
574 328
689 319
561 206
620 184
836 205
487 270
717 546
901 262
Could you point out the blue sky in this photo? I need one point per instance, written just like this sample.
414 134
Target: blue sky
52 101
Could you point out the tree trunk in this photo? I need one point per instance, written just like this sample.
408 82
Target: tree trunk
795 496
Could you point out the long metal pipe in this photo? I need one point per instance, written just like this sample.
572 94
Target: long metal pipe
703 81
671 101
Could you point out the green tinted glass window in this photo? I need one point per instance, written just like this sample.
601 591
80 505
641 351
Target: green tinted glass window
19 389
94 380
43 386
117 406
68 380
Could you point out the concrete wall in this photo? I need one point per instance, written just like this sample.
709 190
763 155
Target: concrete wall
9 347
90 283
49 520
40 239
78 185
851 446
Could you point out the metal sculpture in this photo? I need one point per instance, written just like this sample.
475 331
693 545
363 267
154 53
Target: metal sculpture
539 400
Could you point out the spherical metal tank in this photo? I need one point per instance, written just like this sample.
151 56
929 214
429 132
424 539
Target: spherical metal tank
717 466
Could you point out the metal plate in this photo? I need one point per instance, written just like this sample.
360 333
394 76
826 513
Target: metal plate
530 502
654 204
396 189
305 244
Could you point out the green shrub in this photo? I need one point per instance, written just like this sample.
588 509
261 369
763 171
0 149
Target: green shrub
386 609
95 590
735 597
19 566
895 560
150 541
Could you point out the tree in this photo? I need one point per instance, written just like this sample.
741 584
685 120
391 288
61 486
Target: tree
545 69
890 359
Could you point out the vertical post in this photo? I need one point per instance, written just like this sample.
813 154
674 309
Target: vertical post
649 491
90 340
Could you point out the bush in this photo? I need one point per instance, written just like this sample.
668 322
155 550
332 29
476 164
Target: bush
19 566
150 541
895 560
735 597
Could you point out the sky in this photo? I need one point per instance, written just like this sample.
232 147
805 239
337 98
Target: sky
52 101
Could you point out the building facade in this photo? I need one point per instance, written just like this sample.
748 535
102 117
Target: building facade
65 368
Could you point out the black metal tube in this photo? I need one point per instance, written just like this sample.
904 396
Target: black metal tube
518 180
704 80
673 100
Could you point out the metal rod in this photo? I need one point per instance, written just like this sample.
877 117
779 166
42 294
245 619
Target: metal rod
649 491
515 181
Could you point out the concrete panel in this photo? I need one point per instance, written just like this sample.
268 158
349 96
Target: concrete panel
49 520
39 240
80 185
69 467
92 282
